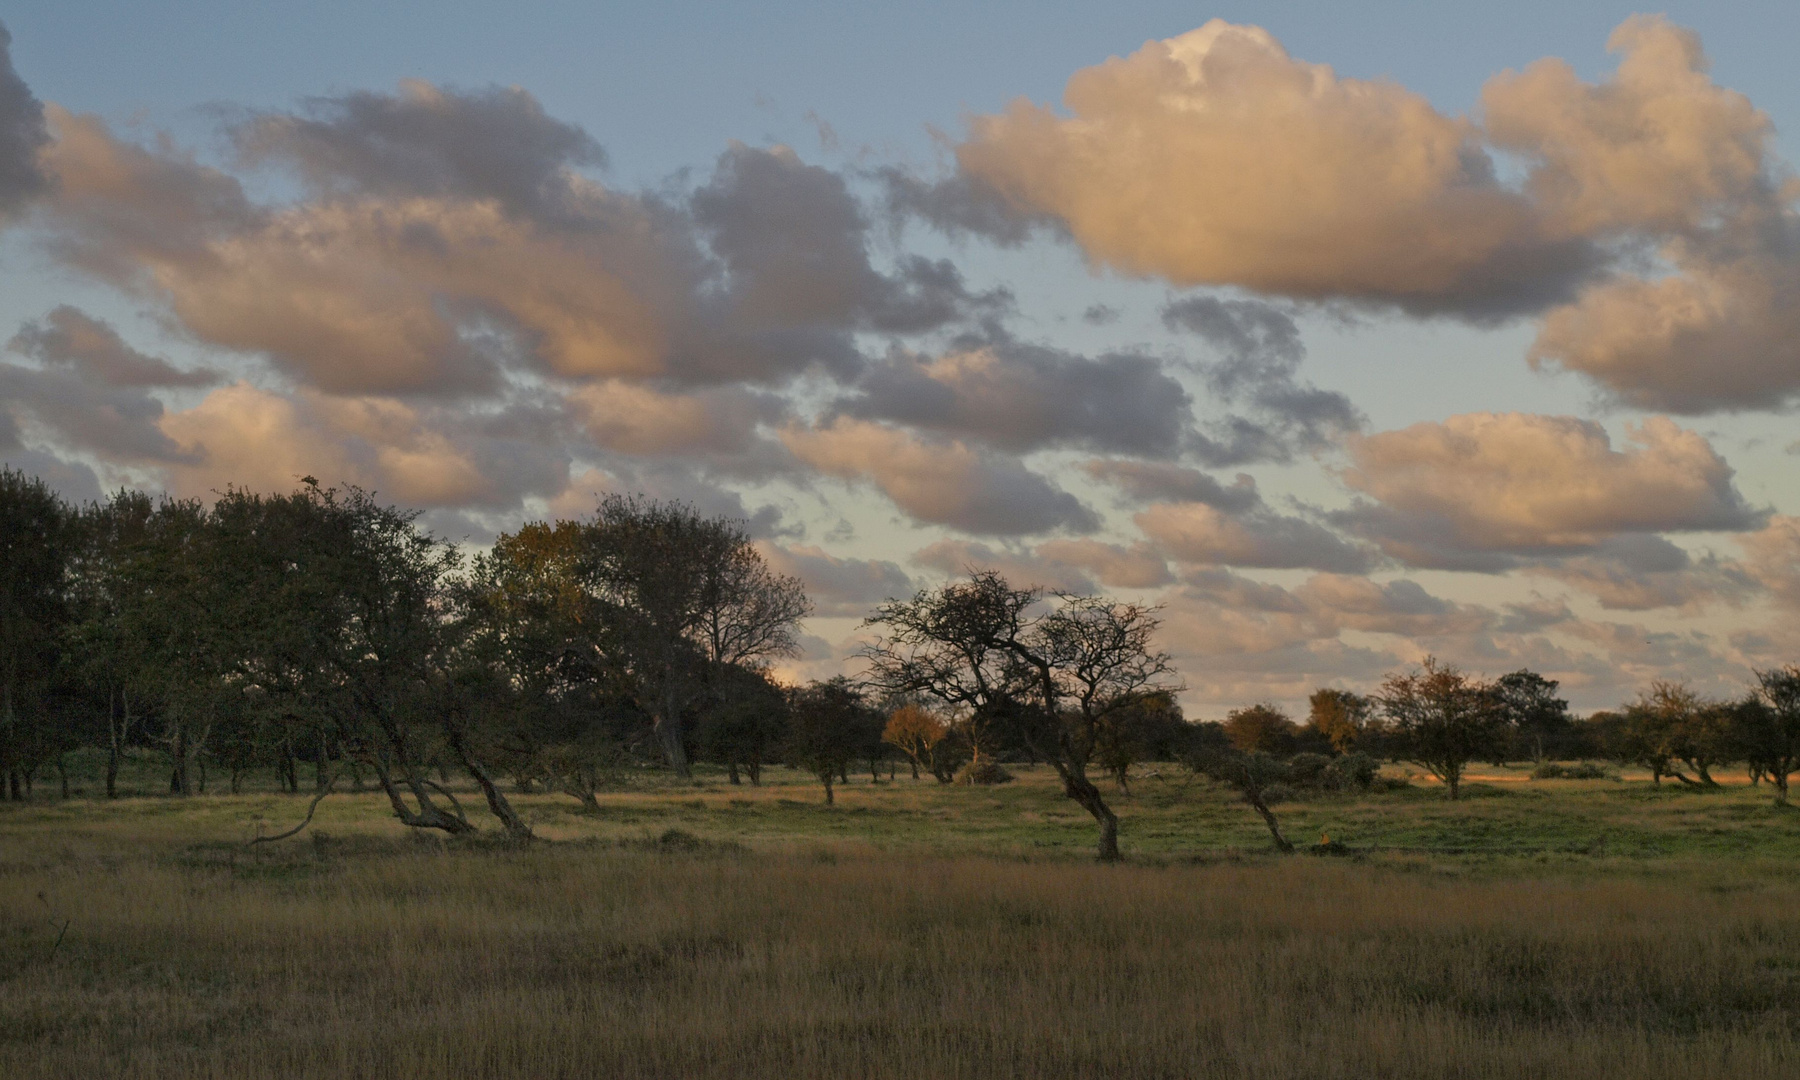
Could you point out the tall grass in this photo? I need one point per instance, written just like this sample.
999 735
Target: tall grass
367 956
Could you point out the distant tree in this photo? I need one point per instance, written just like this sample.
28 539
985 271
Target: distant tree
1152 729
1442 719
1538 718
744 724
685 593
1669 725
36 545
1261 729
1767 727
919 733
825 728
1339 717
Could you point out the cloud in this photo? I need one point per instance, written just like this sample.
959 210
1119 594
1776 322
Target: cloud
1639 572
22 135
1214 158
1657 144
1022 567
635 418
1723 332
1157 481
492 143
840 587
793 241
1205 535
446 240
1471 491
71 338
1396 607
941 482
1772 554
1261 353
1020 398
248 437
117 423
1139 566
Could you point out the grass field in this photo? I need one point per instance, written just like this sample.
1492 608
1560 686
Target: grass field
1535 928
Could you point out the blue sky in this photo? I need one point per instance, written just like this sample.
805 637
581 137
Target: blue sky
867 462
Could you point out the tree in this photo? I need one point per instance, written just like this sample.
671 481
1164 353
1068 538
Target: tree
1339 717
1767 727
1065 676
824 725
1261 729
918 733
1150 729
685 594
1538 718
36 539
1252 773
1442 719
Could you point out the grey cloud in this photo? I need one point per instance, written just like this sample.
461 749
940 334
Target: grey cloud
1259 538
961 206
70 337
1422 541
793 240
118 423
1100 315
1261 352
495 142
22 135
1024 397
1644 572
1157 481
840 587
1020 566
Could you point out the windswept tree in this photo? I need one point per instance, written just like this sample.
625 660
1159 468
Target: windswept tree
1442 719
1065 668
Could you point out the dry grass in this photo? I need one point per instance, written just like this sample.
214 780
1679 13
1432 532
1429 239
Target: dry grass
806 956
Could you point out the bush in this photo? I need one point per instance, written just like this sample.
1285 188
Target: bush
1277 793
988 772
1581 770
1352 772
1308 770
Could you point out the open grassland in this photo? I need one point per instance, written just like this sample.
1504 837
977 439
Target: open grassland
1542 929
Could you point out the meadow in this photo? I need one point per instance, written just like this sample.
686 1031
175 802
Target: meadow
1590 928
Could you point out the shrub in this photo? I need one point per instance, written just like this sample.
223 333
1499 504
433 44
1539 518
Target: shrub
1352 772
986 772
1581 770
1308 770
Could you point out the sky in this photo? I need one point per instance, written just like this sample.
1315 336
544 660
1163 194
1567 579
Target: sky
1348 334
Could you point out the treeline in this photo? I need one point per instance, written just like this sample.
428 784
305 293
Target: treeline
320 633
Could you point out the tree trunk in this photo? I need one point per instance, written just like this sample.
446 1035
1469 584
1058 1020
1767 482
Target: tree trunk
754 768
1255 799
1088 797
915 767
1781 787
323 764
732 770
829 798
497 803
62 774
668 734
